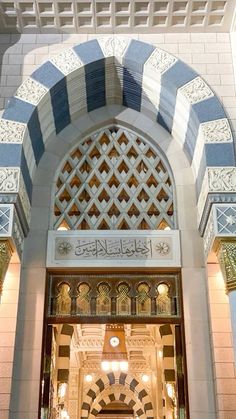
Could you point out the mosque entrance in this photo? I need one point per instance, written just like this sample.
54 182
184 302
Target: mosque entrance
113 347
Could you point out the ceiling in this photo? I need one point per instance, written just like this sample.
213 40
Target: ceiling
88 345
116 16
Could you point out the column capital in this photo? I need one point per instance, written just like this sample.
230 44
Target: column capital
227 259
5 256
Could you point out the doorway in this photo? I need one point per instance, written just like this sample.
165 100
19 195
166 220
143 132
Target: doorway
80 310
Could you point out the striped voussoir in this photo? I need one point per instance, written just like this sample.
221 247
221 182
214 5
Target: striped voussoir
169 375
64 342
115 71
117 386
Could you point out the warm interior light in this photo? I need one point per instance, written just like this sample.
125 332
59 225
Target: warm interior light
115 366
62 390
145 378
88 378
170 390
124 366
162 289
167 228
114 354
62 228
105 365
64 414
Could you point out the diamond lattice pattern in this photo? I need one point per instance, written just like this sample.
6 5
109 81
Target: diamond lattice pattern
114 181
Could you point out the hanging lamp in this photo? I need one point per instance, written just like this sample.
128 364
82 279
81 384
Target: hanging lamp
114 354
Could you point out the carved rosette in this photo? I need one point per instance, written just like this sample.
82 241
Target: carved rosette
227 259
5 256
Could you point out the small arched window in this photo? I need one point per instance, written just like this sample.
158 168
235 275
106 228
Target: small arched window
63 301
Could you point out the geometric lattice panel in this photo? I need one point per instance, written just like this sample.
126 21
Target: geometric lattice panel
114 181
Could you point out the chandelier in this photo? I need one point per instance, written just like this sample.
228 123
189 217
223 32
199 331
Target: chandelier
114 354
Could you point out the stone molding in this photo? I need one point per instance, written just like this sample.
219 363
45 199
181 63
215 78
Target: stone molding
227 258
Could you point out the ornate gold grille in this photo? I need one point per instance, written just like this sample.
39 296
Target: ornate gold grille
114 180
121 295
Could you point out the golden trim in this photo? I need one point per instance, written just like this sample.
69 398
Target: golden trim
227 259
5 257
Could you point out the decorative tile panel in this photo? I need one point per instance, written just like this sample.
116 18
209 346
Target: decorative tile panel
222 179
225 216
6 214
221 224
113 46
31 91
160 61
9 179
196 91
217 131
10 227
67 61
11 131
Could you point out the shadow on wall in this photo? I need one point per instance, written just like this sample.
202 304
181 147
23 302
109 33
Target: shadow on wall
14 46
9 37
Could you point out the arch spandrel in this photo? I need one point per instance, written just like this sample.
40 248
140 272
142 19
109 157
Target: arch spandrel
117 71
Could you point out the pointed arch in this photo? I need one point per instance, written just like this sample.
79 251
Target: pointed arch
111 383
122 71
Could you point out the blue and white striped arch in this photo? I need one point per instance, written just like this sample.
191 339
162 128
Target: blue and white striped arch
122 71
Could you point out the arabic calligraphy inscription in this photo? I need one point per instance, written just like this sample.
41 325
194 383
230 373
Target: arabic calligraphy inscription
112 248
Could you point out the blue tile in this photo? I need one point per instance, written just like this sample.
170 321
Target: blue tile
136 55
177 76
36 136
89 51
26 175
21 111
207 110
132 90
48 75
95 85
60 105
18 110
10 155
220 154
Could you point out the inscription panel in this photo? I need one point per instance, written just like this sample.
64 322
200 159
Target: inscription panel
109 248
